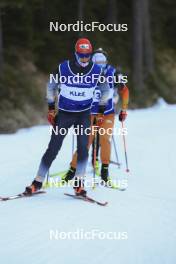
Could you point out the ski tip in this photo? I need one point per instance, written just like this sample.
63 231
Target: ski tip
104 204
122 189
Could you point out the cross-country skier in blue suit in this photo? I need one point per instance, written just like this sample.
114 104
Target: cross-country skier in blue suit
74 104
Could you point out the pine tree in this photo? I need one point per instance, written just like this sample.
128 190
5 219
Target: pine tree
1 45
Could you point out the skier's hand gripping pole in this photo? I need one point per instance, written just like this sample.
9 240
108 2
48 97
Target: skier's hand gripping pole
51 116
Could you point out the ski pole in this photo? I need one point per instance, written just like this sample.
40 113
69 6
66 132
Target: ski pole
115 148
47 178
94 153
73 144
125 149
97 149
115 163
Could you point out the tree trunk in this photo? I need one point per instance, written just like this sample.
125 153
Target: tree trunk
148 45
1 46
81 5
112 12
137 52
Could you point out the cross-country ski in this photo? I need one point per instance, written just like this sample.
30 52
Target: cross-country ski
21 195
86 199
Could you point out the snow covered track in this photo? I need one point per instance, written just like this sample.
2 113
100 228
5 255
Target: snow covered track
143 217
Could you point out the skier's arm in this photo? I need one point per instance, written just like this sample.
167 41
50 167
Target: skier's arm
124 96
52 91
122 90
52 94
104 95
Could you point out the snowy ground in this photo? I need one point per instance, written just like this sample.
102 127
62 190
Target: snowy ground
146 212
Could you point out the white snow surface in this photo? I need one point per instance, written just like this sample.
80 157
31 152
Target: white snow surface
145 212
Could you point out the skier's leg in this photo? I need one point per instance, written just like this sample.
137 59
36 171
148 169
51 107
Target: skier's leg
82 153
105 142
50 154
72 170
105 139
64 121
82 145
73 163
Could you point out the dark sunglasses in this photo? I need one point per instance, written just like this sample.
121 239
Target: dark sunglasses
82 55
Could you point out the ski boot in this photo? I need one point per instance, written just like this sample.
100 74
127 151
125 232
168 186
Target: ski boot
106 180
79 187
69 175
34 187
104 172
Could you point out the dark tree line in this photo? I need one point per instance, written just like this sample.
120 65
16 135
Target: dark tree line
143 60
141 52
1 46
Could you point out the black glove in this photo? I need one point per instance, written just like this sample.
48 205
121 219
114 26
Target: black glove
122 115
101 109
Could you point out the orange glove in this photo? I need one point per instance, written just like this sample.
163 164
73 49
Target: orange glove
99 121
51 116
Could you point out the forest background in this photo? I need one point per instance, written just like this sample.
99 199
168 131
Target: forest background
29 52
